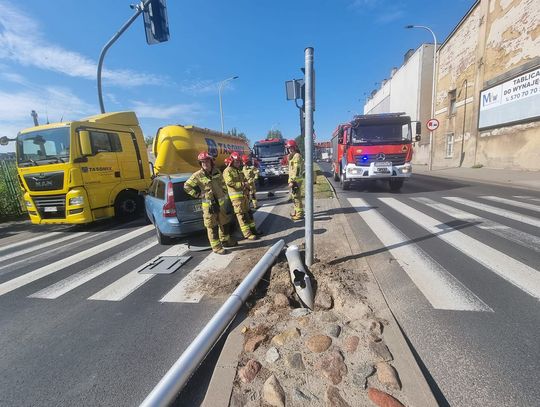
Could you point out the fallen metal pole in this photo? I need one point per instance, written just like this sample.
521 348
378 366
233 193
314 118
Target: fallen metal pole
299 277
178 375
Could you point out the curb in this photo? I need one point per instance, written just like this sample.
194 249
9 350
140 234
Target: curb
221 384
415 385
477 181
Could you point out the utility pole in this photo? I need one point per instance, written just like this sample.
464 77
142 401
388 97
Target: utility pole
308 142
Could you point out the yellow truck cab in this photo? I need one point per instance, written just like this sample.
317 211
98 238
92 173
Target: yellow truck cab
176 148
82 171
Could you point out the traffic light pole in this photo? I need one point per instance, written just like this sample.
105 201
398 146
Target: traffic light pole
139 8
308 141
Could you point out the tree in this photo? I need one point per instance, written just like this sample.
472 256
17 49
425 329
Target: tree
274 134
148 141
234 132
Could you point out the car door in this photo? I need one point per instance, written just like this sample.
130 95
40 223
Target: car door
150 201
101 172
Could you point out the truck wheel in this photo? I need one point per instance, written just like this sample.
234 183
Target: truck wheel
343 182
128 205
396 184
161 238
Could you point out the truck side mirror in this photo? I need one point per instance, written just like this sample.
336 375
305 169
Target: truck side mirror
4 141
86 145
418 128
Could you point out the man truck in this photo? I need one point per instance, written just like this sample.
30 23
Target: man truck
272 158
374 147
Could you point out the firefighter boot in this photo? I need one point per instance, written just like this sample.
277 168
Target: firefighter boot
220 250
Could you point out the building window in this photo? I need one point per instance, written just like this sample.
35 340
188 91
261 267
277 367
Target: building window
450 145
452 104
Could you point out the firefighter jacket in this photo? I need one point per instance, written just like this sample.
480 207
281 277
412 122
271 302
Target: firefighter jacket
207 187
235 181
296 167
251 173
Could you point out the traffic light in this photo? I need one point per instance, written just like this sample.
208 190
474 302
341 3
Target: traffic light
156 25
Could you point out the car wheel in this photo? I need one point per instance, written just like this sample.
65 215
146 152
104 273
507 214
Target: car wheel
396 184
343 182
127 206
161 238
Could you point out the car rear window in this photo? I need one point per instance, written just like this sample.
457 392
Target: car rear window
179 193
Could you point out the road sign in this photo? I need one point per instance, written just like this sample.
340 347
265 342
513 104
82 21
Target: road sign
432 124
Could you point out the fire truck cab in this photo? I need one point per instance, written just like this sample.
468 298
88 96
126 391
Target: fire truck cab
374 147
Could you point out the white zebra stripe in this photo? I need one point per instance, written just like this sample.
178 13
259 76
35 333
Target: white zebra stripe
522 276
127 284
440 288
522 238
41 272
511 202
70 283
529 220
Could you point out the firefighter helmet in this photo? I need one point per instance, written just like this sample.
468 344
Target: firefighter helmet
203 155
235 156
245 159
291 144
227 161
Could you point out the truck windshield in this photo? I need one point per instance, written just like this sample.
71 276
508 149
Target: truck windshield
43 147
270 150
392 133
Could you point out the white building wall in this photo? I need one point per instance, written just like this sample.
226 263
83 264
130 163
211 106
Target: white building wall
409 91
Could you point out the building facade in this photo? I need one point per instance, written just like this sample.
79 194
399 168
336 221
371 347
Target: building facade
488 88
408 90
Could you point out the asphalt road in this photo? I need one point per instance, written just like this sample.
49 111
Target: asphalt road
458 264
79 324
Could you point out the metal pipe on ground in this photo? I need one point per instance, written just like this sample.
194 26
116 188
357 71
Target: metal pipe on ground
299 277
178 375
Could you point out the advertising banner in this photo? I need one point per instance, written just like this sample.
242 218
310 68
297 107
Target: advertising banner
515 100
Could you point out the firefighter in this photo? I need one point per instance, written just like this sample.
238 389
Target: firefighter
251 173
296 167
207 184
237 187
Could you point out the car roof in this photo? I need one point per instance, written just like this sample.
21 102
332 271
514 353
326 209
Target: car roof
175 177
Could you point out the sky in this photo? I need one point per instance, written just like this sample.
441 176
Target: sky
49 56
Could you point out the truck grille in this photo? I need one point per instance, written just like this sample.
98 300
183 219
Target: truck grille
45 181
45 205
396 159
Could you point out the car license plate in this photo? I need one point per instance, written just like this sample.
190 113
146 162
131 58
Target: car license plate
384 170
383 163
50 209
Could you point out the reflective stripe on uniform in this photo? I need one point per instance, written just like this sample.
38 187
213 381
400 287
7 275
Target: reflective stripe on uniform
237 195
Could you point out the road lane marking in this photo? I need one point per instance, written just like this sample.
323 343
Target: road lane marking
517 236
511 202
439 287
70 283
27 241
529 220
41 272
522 276
41 246
127 284
188 289
528 197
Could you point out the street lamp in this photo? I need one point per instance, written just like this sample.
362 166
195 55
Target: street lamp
430 163
220 104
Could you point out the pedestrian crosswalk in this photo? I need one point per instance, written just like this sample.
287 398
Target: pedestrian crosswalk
94 256
436 283
113 251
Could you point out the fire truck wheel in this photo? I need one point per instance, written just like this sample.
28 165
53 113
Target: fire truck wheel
343 182
396 184
128 205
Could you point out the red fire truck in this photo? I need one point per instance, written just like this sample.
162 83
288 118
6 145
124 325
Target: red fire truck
374 147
